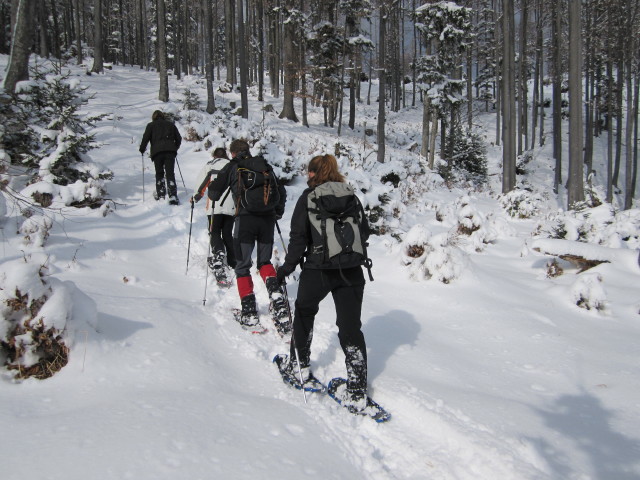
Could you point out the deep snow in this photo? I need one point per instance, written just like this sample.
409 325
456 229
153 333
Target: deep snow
496 375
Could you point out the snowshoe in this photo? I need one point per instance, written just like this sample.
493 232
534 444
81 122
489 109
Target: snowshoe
337 389
250 323
222 279
248 316
174 201
291 375
280 317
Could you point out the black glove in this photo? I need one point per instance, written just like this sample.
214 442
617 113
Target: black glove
281 276
196 198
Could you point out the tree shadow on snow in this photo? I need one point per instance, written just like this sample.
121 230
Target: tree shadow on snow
584 422
384 334
118 328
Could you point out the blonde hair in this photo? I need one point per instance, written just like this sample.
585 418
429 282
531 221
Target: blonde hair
325 169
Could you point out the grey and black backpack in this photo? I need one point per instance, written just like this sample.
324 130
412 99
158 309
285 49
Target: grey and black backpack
339 228
257 187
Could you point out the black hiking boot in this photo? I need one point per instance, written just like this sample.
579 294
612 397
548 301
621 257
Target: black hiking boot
249 313
279 307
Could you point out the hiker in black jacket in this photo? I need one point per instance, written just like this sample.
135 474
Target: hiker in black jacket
319 277
254 226
165 141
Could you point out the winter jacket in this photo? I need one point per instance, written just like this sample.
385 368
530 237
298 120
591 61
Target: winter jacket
301 239
163 135
228 177
209 173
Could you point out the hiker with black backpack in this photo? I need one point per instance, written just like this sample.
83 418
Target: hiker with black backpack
220 218
165 141
259 200
329 230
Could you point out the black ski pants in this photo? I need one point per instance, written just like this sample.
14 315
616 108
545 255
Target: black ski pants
165 164
347 289
250 231
221 231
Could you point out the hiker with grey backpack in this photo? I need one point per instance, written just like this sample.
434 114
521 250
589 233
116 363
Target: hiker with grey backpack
259 201
328 236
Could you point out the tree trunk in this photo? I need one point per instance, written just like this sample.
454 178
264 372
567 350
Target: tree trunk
636 104
576 174
98 66
426 122
41 15
509 101
432 144
176 40
260 20
22 34
382 73
163 94
498 70
609 109
229 28
523 126
537 100
78 32
557 93
290 60
242 50
303 77
209 34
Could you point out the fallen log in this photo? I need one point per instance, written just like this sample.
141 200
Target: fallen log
587 255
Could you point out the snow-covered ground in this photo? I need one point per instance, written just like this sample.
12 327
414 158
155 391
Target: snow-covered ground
496 375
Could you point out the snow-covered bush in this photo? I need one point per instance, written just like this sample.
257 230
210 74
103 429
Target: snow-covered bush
36 229
522 203
55 142
469 218
432 256
35 311
588 292
601 225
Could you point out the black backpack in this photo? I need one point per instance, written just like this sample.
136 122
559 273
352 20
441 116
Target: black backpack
339 228
257 189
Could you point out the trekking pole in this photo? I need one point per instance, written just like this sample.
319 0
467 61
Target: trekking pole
189 245
293 341
179 170
142 159
206 276
281 239
206 283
